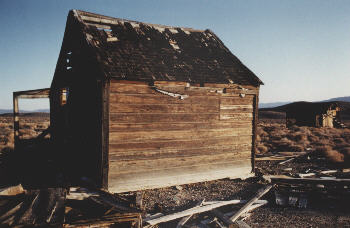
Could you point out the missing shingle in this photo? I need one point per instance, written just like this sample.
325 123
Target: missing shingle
112 39
160 29
187 32
134 25
173 30
173 43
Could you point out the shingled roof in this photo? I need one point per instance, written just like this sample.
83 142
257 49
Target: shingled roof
140 51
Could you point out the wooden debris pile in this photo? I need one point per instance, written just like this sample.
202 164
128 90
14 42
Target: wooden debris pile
76 207
229 219
281 156
299 188
32 207
85 208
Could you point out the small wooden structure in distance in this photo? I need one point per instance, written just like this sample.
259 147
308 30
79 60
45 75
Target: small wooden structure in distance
318 114
28 94
137 105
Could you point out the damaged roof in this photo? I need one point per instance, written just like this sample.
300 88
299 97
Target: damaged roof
131 50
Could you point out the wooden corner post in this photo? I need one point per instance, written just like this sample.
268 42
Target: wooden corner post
255 127
15 119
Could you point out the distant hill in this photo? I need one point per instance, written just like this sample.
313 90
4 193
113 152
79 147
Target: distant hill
277 104
2 111
347 99
272 105
10 111
28 114
344 106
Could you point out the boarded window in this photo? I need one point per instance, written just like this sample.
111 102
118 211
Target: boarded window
64 96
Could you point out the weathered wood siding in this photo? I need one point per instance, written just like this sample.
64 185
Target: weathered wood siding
156 140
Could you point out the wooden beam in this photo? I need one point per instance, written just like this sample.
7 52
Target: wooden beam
12 190
255 128
105 94
32 96
40 93
291 180
191 211
246 207
185 219
223 217
15 119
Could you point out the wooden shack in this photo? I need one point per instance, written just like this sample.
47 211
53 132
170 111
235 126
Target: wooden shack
317 114
137 105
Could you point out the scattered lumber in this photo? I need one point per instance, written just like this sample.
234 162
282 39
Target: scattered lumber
35 208
288 160
328 171
185 219
257 204
150 217
302 175
105 207
242 224
278 179
281 156
328 178
346 170
191 211
98 196
226 217
12 190
246 207
130 219
194 210
299 154
223 217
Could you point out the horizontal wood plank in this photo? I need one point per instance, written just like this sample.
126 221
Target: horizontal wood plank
163 108
179 153
220 85
247 100
177 176
161 99
118 167
131 127
189 143
161 117
191 90
115 137
236 116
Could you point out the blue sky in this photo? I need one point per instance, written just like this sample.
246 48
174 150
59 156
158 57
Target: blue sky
300 49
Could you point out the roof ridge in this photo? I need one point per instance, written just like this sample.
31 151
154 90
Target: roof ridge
85 17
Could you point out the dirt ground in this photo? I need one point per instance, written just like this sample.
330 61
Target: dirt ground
273 137
332 212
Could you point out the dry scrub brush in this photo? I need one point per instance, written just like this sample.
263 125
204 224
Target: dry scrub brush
333 143
29 127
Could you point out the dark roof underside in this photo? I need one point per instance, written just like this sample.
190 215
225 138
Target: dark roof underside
138 51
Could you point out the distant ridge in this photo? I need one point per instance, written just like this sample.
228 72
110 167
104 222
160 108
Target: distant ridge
10 111
273 104
347 99
276 104
344 108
